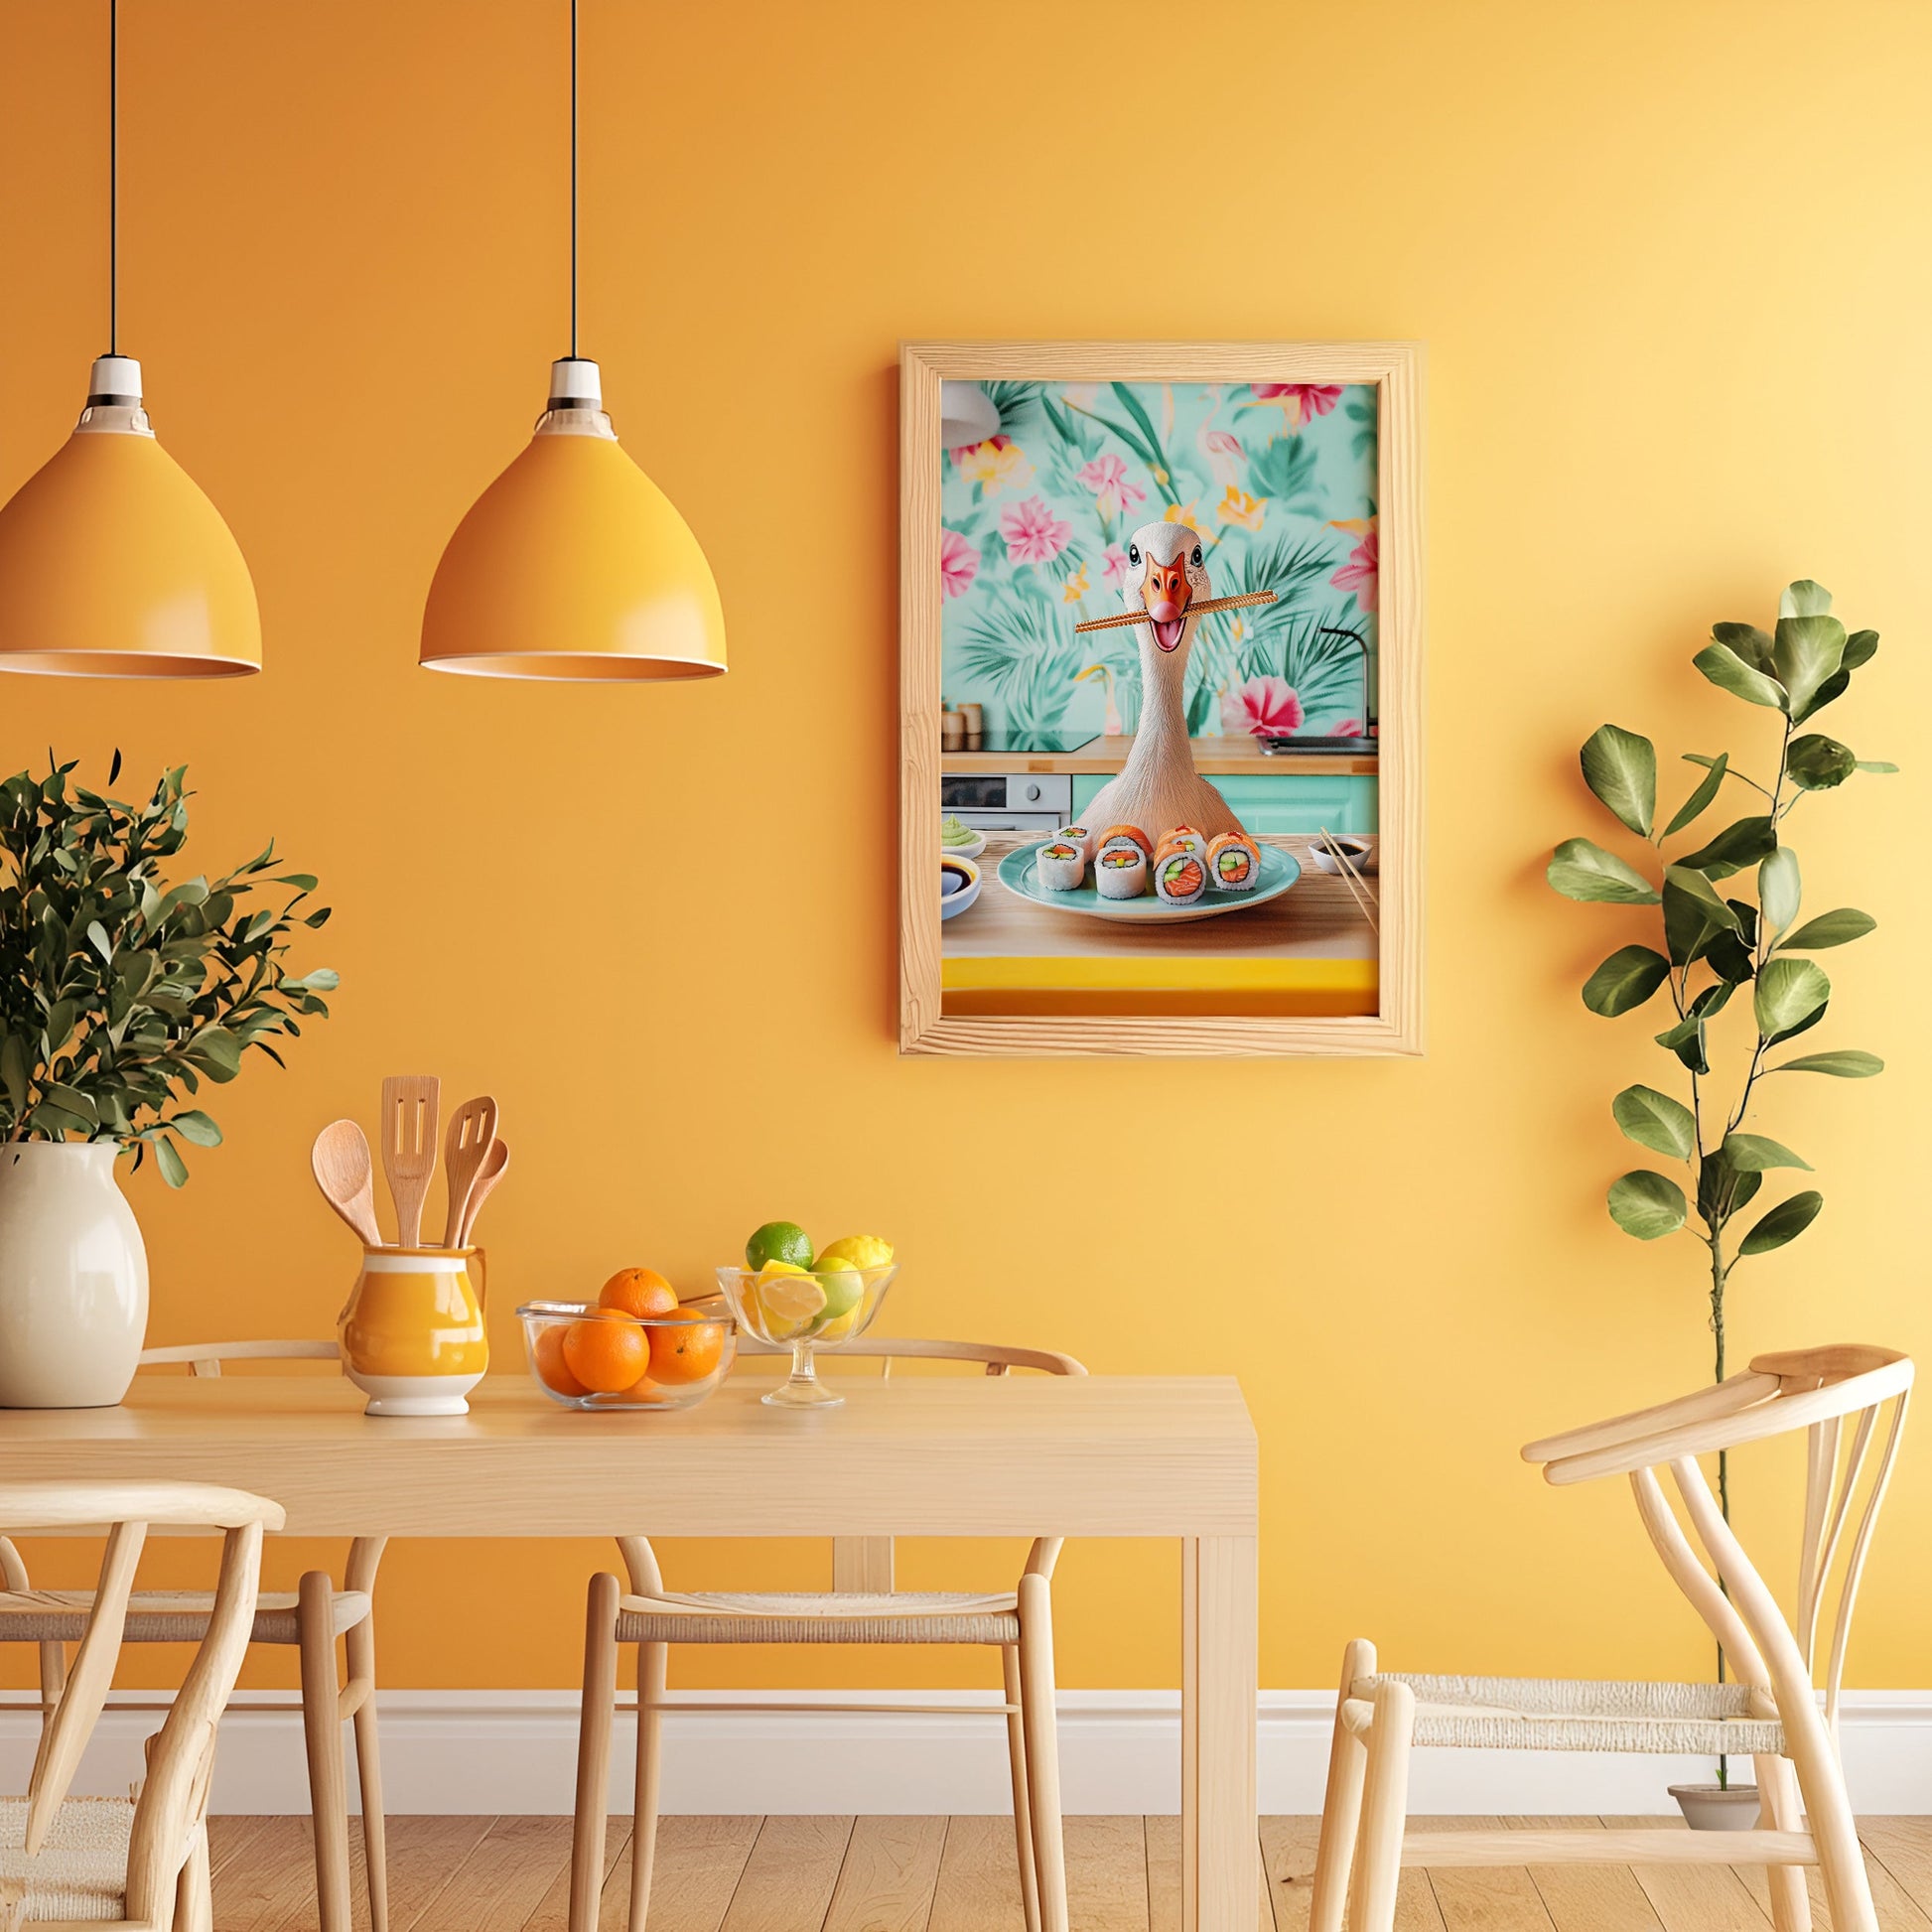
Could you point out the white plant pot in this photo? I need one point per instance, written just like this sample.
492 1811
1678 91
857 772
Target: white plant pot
73 1278
1717 1808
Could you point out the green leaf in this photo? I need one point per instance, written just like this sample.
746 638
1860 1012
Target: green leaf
1779 887
1647 1205
1859 648
1728 672
1832 689
1804 599
1785 1222
68 1101
174 1169
1581 870
1742 843
98 939
1877 764
1694 914
1620 767
1788 992
215 1053
1706 789
1750 644
1806 651
1838 928
1686 1041
13 1069
196 1127
1625 981
1723 1190
1755 1153
1729 956
1847 1063
1656 1121
1816 762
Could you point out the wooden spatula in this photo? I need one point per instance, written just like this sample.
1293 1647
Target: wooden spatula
472 1133
492 1172
345 1173
410 1106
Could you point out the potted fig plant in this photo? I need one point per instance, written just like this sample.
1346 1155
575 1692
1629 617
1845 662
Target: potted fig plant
1716 947
120 995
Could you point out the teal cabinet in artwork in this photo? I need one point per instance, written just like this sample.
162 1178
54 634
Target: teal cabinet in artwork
1288 801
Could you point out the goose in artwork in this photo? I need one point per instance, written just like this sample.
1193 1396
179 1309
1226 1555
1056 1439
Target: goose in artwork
1165 591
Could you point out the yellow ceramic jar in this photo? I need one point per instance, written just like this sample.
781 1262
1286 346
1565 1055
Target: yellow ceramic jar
412 1334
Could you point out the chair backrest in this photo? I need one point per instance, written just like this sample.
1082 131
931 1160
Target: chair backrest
865 1563
181 1756
207 1358
1818 1390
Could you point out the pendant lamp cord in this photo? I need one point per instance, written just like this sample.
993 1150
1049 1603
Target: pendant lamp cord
114 175
573 179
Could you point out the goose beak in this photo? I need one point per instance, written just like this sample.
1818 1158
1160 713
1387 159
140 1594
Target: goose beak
1166 593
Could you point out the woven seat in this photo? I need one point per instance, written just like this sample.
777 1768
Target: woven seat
806 1616
82 1870
1534 1714
162 1615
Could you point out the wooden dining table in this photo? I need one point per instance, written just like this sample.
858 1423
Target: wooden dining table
1098 1455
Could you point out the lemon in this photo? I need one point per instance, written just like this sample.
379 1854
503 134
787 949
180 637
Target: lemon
860 1251
838 1329
789 1299
779 1241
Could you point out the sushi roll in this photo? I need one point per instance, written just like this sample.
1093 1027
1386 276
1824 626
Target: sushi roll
1082 835
1179 876
1234 863
1120 871
1188 839
1061 865
1132 832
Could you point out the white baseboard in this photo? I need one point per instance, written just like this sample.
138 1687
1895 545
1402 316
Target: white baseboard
483 1751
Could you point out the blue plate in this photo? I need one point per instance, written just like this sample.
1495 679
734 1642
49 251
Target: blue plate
1018 874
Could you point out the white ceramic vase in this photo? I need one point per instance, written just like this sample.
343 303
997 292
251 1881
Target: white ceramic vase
74 1276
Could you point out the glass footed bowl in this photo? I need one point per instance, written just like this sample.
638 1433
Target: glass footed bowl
683 1356
805 1312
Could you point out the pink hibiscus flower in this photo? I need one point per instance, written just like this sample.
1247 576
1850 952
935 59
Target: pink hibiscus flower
1358 574
1300 402
1106 476
959 563
1113 563
1265 707
1034 534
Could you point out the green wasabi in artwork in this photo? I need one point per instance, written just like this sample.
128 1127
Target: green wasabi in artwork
953 832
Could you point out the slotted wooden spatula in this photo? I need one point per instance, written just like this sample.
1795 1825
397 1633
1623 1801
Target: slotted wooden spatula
472 1133
411 1103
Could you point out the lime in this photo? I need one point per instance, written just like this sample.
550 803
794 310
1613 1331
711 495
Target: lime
860 1251
843 1285
779 1241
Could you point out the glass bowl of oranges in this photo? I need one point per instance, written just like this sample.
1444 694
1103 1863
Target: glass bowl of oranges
636 1347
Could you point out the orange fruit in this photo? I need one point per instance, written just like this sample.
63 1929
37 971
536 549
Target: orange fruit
644 1391
641 1292
686 1351
606 1351
552 1369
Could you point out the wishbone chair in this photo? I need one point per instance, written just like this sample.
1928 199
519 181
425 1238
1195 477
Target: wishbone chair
308 1619
1768 1711
68 1862
862 1607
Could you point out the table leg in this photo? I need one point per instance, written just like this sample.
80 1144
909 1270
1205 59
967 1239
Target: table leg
1220 1638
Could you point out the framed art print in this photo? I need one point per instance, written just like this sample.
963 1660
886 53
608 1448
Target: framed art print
1161 674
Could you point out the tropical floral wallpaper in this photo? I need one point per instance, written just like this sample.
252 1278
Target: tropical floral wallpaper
1278 479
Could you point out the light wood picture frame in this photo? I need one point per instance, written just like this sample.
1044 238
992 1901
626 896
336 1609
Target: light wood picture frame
944 1013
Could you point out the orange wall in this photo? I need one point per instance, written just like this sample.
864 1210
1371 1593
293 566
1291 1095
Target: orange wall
1672 267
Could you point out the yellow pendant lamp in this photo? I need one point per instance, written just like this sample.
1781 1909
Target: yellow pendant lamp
112 563
573 564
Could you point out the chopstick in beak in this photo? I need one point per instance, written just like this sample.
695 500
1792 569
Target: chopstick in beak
1201 610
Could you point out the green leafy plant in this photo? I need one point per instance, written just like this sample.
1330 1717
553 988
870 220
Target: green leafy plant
119 993
1716 948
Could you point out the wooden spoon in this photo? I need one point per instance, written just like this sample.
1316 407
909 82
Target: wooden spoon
410 1105
345 1175
494 1164
472 1133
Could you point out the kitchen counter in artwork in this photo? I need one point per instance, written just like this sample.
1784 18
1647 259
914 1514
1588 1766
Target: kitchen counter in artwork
1228 756
1309 952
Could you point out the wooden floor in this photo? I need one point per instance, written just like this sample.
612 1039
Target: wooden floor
939 1874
